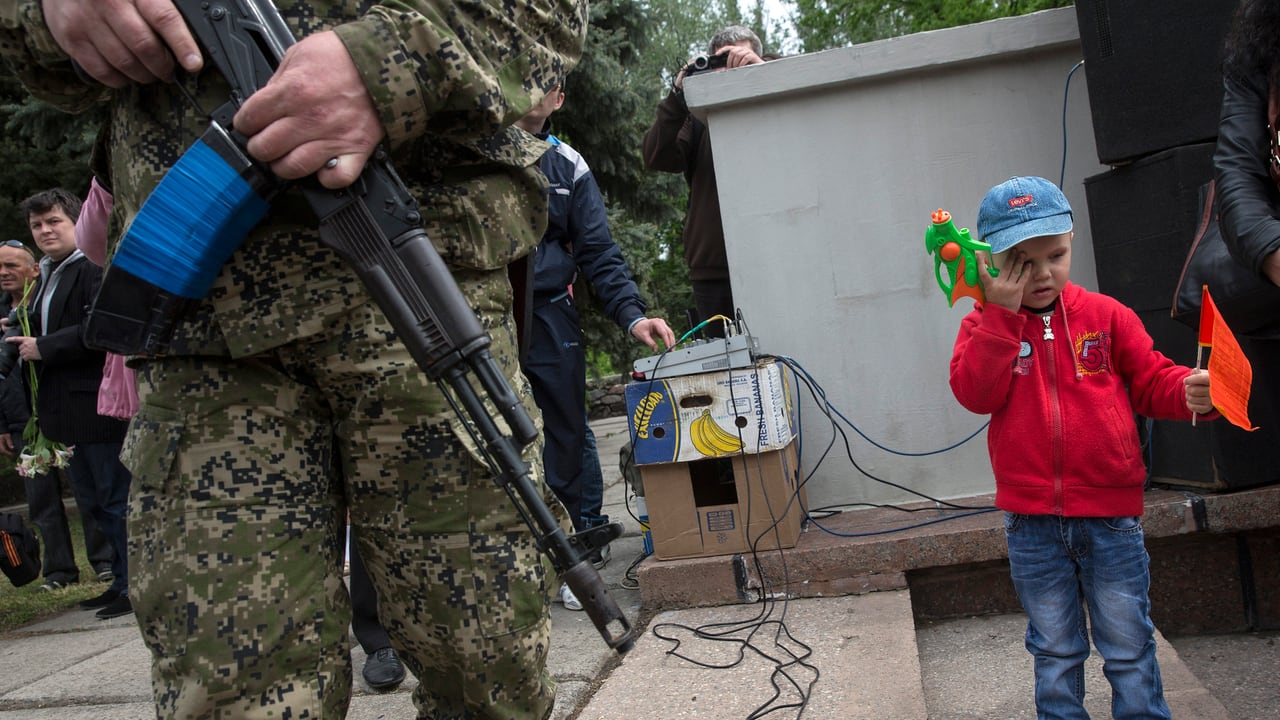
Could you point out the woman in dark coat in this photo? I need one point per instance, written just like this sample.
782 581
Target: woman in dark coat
1249 202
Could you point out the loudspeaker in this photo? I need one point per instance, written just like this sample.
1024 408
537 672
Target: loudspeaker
1154 71
1143 217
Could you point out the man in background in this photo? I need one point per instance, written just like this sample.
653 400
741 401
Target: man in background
68 375
19 276
577 240
678 142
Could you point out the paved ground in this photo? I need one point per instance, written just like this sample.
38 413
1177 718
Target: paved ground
865 659
1240 670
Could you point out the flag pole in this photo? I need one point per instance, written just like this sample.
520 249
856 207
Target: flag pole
1204 337
1199 357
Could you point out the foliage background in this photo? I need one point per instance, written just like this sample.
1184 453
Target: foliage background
633 49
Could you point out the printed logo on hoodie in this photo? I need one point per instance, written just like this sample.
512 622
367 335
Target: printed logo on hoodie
1022 365
1093 352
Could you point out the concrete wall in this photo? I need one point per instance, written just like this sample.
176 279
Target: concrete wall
829 166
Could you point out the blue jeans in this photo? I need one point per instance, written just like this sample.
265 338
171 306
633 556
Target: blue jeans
592 481
1061 565
97 469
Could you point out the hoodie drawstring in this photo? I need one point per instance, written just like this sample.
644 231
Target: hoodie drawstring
1075 361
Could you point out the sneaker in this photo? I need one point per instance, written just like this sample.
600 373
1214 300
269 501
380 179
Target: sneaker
103 600
567 597
118 607
383 670
600 557
51 585
106 576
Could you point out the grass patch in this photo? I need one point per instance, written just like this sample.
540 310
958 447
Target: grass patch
27 604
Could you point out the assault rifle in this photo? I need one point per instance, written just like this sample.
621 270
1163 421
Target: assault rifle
200 212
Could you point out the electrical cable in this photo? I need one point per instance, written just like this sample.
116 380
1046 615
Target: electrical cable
887 531
831 412
793 676
787 659
1062 174
821 396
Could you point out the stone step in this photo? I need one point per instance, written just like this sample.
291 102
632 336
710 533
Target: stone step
863 647
978 669
865 658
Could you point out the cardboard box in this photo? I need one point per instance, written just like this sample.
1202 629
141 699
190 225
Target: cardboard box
718 414
717 506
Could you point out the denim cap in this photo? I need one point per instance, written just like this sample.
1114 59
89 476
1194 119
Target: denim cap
1022 208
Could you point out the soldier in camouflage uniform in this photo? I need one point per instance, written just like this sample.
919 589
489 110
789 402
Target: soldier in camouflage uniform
288 366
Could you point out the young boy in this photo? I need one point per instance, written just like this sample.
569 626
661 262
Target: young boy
1061 371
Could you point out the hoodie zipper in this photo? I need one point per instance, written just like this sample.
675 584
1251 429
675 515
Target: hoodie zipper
1055 412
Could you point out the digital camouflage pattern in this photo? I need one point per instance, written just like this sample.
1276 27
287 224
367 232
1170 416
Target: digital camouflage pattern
239 544
287 402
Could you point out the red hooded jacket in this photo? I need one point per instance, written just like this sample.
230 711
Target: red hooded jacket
1063 439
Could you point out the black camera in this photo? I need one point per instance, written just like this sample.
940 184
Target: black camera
702 63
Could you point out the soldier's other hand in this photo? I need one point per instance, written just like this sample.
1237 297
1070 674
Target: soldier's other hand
6 445
118 42
314 115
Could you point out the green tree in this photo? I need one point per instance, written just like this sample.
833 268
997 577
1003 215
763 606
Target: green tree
633 49
40 148
824 24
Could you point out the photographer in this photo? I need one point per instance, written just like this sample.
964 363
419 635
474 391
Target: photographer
678 142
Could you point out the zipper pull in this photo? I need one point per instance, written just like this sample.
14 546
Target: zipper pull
1048 331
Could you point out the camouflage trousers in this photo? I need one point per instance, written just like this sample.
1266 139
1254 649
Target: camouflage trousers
243 470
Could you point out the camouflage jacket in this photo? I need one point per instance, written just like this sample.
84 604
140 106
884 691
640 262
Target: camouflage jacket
447 79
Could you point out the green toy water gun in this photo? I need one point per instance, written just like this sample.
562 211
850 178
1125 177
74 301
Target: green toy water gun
955 249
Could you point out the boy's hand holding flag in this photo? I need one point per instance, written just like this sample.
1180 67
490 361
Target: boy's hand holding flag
1228 367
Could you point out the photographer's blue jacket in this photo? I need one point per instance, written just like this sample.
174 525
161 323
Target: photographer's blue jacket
578 238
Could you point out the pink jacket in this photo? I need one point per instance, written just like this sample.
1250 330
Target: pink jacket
91 225
118 393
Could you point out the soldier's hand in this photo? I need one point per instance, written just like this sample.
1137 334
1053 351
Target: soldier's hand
6 445
118 42
315 108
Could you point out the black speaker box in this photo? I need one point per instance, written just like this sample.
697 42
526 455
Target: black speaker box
1143 217
1244 459
1154 71
1179 454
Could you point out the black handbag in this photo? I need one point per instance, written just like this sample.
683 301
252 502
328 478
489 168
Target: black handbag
1249 304
19 550
1247 301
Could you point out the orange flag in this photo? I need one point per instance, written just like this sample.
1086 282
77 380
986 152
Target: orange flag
1230 372
1208 312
